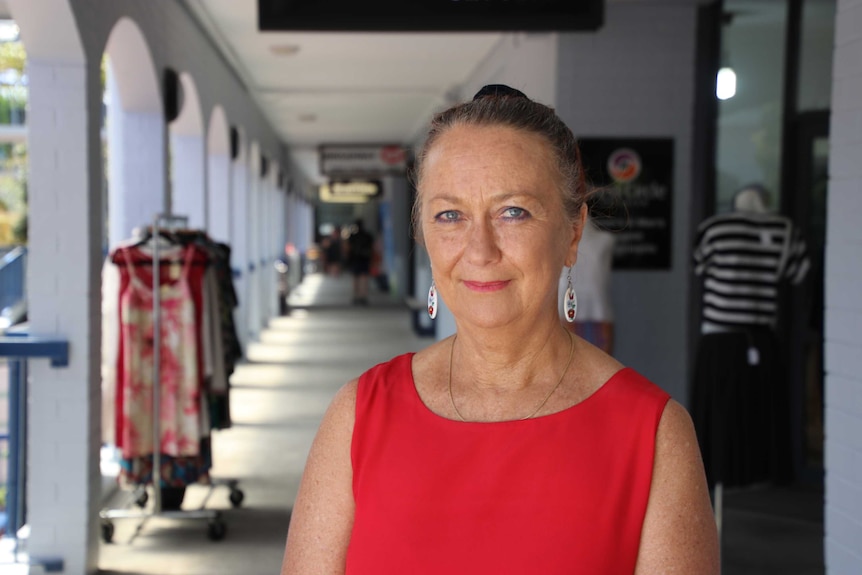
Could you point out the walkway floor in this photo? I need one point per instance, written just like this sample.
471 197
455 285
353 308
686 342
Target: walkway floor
278 398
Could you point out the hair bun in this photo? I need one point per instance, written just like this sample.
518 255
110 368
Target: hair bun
499 91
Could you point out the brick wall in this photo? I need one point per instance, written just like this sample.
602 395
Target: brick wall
843 514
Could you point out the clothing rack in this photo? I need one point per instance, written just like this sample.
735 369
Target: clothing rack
216 527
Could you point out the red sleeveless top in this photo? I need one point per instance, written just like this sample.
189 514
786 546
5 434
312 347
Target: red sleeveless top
562 493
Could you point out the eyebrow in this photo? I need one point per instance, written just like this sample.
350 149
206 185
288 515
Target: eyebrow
501 197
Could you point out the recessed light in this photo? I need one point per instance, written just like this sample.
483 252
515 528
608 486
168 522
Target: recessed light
284 49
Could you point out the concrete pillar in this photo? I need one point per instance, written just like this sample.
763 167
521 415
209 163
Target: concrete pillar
64 482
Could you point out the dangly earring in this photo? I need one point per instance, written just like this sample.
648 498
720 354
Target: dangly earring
570 300
432 300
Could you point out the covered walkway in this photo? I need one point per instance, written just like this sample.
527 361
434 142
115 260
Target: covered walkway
279 397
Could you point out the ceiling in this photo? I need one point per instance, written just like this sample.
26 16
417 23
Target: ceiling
317 87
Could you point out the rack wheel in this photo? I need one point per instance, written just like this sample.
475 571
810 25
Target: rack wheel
236 497
107 531
142 499
216 530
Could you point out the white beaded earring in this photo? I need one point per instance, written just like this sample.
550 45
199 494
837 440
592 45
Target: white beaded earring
570 300
432 300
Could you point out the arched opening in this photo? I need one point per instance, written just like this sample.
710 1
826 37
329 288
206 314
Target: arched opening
218 177
133 186
186 157
134 132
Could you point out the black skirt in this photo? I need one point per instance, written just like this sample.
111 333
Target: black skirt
741 408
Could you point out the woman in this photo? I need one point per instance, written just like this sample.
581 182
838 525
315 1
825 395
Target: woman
512 446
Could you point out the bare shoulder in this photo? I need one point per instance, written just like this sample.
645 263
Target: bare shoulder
322 516
679 532
595 366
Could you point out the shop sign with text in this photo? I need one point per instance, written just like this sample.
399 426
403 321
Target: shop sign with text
357 160
634 178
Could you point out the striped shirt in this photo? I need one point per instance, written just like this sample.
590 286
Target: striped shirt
744 257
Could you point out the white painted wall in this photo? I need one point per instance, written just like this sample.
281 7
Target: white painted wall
843 280
635 78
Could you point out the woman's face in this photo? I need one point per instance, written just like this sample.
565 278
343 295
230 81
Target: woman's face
494 225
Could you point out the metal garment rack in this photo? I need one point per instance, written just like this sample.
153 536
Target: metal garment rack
216 525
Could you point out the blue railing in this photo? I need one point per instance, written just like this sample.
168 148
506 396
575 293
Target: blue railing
13 272
18 349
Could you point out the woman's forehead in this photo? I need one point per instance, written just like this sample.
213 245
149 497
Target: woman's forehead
469 146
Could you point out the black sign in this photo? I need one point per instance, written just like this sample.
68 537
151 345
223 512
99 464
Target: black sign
634 197
430 15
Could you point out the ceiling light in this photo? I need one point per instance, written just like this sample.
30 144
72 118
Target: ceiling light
725 84
284 49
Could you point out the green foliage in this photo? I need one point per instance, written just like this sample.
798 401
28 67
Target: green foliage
13 193
13 56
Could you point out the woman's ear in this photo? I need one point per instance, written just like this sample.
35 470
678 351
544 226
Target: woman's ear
577 233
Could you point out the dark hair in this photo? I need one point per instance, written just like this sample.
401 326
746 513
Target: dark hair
499 105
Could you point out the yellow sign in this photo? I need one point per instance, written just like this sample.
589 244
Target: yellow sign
354 192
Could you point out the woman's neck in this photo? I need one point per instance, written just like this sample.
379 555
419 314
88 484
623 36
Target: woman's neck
509 358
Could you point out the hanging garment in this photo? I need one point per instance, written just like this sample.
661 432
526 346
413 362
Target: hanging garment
183 418
741 408
220 340
178 363
744 257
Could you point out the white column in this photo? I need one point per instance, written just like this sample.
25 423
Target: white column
188 190
265 277
843 309
252 327
63 478
239 247
218 197
136 164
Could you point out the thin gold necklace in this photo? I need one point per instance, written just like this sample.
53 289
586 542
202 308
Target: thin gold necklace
544 401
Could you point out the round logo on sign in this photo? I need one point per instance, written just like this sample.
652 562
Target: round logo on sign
392 155
624 165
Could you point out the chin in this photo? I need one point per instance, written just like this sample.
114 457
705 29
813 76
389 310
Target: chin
486 316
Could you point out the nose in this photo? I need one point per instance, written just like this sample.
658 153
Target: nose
482 247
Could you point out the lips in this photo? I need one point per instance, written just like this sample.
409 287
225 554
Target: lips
486 287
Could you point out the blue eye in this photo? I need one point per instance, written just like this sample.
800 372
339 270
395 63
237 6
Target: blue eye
447 216
515 213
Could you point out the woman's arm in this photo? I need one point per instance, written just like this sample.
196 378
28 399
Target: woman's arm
679 533
322 517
